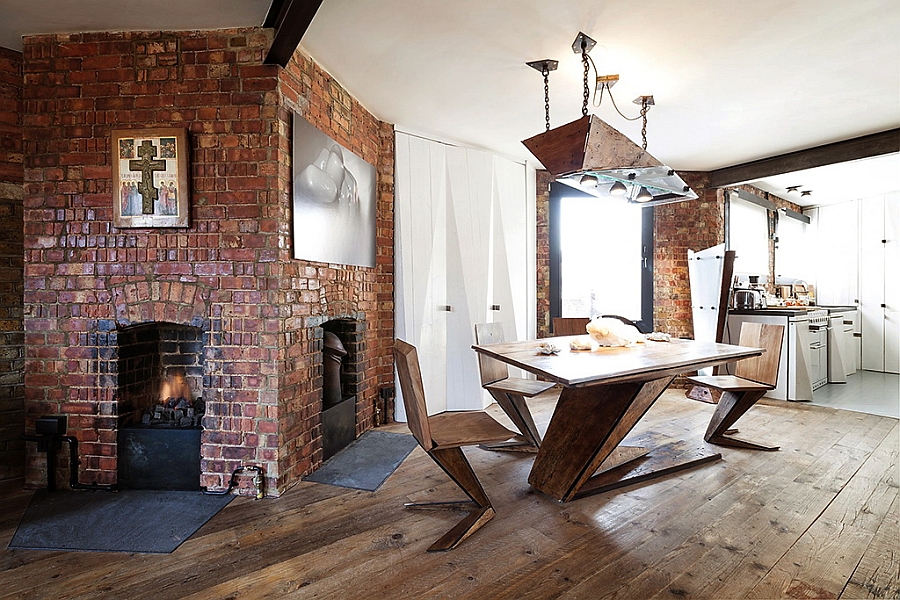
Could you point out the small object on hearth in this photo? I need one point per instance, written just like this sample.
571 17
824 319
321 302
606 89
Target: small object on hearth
548 349
581 344
658 336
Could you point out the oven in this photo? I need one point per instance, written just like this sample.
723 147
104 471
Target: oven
818 347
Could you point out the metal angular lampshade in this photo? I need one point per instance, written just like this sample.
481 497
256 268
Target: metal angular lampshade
587 152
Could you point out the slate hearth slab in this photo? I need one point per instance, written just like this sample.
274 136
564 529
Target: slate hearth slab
148 521
367 462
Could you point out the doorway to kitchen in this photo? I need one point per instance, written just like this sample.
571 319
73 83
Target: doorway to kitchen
601 257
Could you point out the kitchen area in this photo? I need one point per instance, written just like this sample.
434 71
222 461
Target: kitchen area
827 273
821 353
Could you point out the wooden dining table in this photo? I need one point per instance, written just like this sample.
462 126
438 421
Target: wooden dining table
605 392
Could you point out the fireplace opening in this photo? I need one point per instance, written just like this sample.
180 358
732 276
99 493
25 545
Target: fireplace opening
341 341
160 400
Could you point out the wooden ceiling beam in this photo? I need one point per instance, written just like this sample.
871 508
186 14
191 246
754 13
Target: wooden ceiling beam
291 19
867 146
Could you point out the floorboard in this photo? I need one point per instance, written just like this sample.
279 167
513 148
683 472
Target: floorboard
817 519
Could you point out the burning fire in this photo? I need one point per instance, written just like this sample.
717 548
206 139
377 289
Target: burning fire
175 407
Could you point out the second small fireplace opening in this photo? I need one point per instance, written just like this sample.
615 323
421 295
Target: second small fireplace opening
341 347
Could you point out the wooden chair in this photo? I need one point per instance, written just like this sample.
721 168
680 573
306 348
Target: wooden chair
442 437
752 379
625 320
570 325
509 392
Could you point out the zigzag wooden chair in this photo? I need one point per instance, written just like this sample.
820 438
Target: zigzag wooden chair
442 436
752 379
509 392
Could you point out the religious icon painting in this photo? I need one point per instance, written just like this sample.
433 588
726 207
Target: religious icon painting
150 178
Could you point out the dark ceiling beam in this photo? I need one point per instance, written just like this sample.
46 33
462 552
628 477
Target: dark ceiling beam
876 144
291 19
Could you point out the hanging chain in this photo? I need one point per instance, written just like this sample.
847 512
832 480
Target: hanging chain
644 108
546 73
586 94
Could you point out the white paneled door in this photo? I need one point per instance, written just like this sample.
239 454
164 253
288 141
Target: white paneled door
878 282
461 257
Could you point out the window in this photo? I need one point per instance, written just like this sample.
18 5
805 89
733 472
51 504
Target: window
600 257
748 235
791 258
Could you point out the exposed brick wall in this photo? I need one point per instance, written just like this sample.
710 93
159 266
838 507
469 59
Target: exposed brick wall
10 116
12 336
543 254
677 228
327 291
230 273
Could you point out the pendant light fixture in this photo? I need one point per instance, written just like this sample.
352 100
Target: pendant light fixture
592 156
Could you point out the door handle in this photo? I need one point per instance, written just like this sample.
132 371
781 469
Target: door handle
445 308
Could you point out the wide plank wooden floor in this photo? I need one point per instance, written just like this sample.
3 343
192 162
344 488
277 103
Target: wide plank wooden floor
818 519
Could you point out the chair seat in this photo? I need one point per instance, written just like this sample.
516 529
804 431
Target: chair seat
520 385
729 383
455 429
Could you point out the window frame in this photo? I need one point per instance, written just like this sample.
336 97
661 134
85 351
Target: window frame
559 191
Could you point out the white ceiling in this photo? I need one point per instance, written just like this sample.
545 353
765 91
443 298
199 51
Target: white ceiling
733 81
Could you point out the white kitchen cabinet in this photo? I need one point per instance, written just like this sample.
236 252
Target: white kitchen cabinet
843 345
461 257
879 284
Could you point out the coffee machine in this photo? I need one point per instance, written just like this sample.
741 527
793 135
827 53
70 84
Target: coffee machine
751 297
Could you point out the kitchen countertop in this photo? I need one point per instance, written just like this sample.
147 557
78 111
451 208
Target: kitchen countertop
788 311
775 311
834 309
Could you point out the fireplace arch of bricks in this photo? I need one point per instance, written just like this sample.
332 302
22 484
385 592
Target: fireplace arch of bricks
178 302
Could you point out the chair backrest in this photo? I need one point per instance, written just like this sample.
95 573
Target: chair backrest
625 320
764 368
570 325
406 359
491 370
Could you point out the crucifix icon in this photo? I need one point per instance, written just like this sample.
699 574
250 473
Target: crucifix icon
146 165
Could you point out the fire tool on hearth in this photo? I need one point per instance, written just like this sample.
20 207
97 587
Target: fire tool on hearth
50 431
259 482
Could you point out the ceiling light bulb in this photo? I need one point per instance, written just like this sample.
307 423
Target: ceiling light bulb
588 180
644 195
618 189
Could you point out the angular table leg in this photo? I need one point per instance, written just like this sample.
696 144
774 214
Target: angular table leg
587 427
